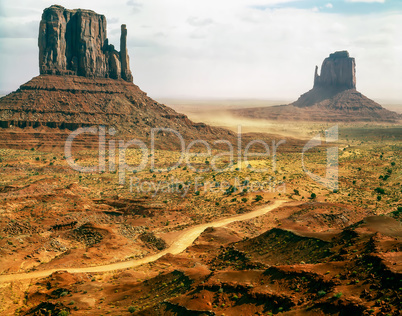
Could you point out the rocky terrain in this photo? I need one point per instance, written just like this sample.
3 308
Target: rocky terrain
331 253
191 239
334 98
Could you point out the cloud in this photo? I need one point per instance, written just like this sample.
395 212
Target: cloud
329 5
12 29
196 21
112 20
209 48
367 1
136 5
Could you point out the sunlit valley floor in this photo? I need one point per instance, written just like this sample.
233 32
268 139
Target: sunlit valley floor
322 251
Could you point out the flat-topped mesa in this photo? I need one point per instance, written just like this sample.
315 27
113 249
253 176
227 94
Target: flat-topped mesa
74 42
337 72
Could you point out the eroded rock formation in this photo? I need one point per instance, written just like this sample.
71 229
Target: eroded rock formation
337 72
74 42
77 88
334 98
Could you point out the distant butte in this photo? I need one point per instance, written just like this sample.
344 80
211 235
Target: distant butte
334 98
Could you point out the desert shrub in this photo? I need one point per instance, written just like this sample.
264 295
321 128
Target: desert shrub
379 190
397 212
321 293
244 200
63 313
313 195
132 309
231 190
258 198
337 295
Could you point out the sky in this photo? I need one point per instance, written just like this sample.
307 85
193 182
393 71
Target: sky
262 49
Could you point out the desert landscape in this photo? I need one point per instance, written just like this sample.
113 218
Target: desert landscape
114 203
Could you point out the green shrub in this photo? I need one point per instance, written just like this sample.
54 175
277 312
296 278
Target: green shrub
313 195
321 293
132 309
258 198
379 190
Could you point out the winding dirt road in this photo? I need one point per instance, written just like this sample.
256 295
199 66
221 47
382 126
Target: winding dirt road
184 240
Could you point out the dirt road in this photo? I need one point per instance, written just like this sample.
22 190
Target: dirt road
184 240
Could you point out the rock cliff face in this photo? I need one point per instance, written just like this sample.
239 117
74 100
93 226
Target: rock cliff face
337 72
74 42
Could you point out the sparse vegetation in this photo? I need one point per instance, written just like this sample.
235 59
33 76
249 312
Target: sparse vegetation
321 293
132 309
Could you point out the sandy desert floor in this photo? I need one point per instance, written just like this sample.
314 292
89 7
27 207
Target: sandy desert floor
206 243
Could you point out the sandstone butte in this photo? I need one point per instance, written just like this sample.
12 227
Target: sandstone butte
334 98
84 81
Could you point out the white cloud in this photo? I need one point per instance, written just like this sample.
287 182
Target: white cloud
366 1
230 50
329 5
196 21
